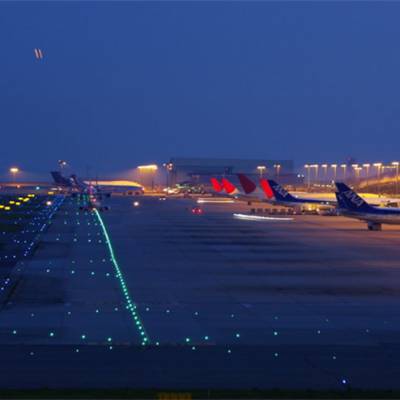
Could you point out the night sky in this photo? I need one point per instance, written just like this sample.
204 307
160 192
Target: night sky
127 83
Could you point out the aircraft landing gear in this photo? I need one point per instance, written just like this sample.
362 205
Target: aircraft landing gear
374 226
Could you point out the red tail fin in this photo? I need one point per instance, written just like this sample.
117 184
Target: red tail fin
216 185
228 186
266 188
248 185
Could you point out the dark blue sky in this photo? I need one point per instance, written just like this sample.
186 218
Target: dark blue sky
127 83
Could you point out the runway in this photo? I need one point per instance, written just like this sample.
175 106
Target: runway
224 302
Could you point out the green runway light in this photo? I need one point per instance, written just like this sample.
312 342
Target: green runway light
131 306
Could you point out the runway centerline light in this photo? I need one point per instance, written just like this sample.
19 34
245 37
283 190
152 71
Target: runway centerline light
131 306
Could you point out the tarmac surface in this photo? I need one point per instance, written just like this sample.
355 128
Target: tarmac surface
225 303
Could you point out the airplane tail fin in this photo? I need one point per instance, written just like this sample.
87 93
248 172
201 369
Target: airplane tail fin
78 181
74 179
229 187
217 186
279 192
59 179
266 188
248 185
349 199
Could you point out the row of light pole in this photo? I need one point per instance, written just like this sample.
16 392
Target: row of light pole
262 170
357 168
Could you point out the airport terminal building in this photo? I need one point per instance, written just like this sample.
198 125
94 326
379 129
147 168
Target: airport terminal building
200 170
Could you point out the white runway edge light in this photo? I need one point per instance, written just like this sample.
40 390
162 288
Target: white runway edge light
261 218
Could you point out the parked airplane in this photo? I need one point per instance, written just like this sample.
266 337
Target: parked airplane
224 186
282 197
217 186
350 204
61 180
247 192
101 187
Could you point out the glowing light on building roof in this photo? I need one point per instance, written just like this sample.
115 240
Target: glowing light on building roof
150 167
117 183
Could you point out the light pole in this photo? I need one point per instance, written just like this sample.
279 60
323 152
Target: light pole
325 168
344 166
62 164
151 169
169 167
14 171
334 166
378 167
316 166
277 169
396 164
355 166
357 171
367 166
261 169
307 167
